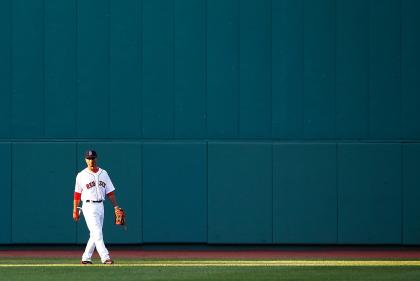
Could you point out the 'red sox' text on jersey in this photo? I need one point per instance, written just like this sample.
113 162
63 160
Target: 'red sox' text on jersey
93 186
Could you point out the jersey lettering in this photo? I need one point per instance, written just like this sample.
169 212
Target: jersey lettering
93 186
90 185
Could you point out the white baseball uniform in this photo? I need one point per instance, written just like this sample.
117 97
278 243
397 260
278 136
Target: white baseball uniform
93 188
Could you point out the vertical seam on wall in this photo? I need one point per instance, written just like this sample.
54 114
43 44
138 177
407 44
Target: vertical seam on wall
11 114
206 114
270 46
402 135
141 192
11 68
43 132
238 130
271 114
76 65
11 191
207 190
206 125
335 68
205 70
402 191
173 71
272 193
368 71
337 192
303 69
140 41
108 62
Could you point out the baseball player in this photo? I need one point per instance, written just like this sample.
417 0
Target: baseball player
92 185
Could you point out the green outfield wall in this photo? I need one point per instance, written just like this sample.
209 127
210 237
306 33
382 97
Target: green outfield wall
219 121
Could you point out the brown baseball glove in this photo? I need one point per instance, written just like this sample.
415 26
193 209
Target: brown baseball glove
119 216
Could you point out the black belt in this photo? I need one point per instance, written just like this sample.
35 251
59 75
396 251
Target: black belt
88 201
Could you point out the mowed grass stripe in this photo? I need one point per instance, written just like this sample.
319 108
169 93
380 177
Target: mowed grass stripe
319 263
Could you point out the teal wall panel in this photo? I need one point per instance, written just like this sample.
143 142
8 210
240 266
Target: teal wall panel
240 193
125 69
318 77
287 69
93 68
127 179
222 68
158 64
239 77
352 69
174 192
369 194
411 193
42 192
189 69
5 67
6 191
255 68
27 75
249 69
385 69
304 193
60 68
410 67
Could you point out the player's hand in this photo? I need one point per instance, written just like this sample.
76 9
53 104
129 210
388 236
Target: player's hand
119 216
75 215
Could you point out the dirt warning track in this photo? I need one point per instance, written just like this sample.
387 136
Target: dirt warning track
301 253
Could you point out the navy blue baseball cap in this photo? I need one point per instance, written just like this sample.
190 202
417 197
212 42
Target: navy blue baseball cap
90 154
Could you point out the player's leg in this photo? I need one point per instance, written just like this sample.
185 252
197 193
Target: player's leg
90 248
89 214
103 252
97 233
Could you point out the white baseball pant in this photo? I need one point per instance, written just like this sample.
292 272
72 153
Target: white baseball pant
94 217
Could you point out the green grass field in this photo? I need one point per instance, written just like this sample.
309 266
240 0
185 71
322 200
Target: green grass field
131 269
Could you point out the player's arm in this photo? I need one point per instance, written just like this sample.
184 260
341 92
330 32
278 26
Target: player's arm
76 202
111 197
119 213
109 190
76 198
